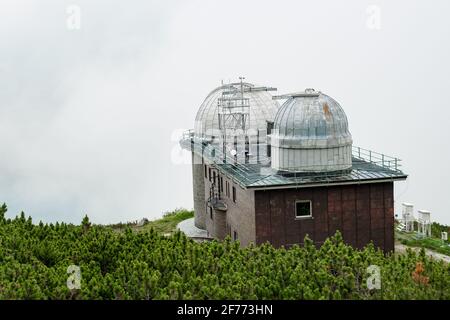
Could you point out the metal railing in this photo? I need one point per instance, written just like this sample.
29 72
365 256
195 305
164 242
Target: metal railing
364 162
379 159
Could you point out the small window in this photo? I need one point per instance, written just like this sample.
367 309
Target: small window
234 194
235 235
206 171
303 209
269 127
210 213
209 173
221 184
214 177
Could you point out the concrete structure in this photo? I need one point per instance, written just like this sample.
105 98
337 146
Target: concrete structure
287 173
198 182
188 227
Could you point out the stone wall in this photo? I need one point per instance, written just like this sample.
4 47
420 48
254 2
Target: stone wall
198 182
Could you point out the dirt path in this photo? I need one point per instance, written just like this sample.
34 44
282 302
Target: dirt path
401 248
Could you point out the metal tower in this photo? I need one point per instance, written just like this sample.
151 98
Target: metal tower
234 118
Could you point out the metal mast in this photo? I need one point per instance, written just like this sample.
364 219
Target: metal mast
234 116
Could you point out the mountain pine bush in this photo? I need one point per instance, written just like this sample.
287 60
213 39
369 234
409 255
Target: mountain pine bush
146 265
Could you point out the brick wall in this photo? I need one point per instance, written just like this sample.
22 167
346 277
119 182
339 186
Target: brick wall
240 216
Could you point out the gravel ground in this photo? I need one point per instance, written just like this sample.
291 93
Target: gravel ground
400 248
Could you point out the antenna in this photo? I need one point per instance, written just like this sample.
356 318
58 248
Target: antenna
234 114
242 86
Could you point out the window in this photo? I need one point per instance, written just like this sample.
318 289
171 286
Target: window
206 171
235 235
210 213
221 184
209 173
234 194
303 209
270 125
214 177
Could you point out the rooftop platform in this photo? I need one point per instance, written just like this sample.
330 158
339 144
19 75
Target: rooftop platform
367 166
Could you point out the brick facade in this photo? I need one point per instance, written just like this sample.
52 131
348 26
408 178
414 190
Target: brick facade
361 212
240 215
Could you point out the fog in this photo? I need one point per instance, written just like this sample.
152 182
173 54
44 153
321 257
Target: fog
90 113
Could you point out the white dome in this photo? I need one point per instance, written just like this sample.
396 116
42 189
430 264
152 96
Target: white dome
262 109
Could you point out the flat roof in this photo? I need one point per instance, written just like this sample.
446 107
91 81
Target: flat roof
367 166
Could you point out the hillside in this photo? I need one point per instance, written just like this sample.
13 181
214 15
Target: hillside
166 225
34 260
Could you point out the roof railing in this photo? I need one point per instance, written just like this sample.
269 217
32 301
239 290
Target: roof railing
246 174
188 134
379 159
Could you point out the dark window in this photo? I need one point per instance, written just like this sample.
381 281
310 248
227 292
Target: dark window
210 212
303 209
214 177
269 131
235 235
221 184
206 171
247 149
269 127
234 194
235 148
209 173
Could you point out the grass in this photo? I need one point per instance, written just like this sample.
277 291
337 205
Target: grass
410 239
166 225
429 243
169 221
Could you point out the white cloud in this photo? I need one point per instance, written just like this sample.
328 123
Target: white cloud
86 117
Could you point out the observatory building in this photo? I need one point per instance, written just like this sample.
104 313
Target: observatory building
264 172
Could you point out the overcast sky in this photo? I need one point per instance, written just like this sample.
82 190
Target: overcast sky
89 115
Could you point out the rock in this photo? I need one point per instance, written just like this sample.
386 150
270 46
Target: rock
143 222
